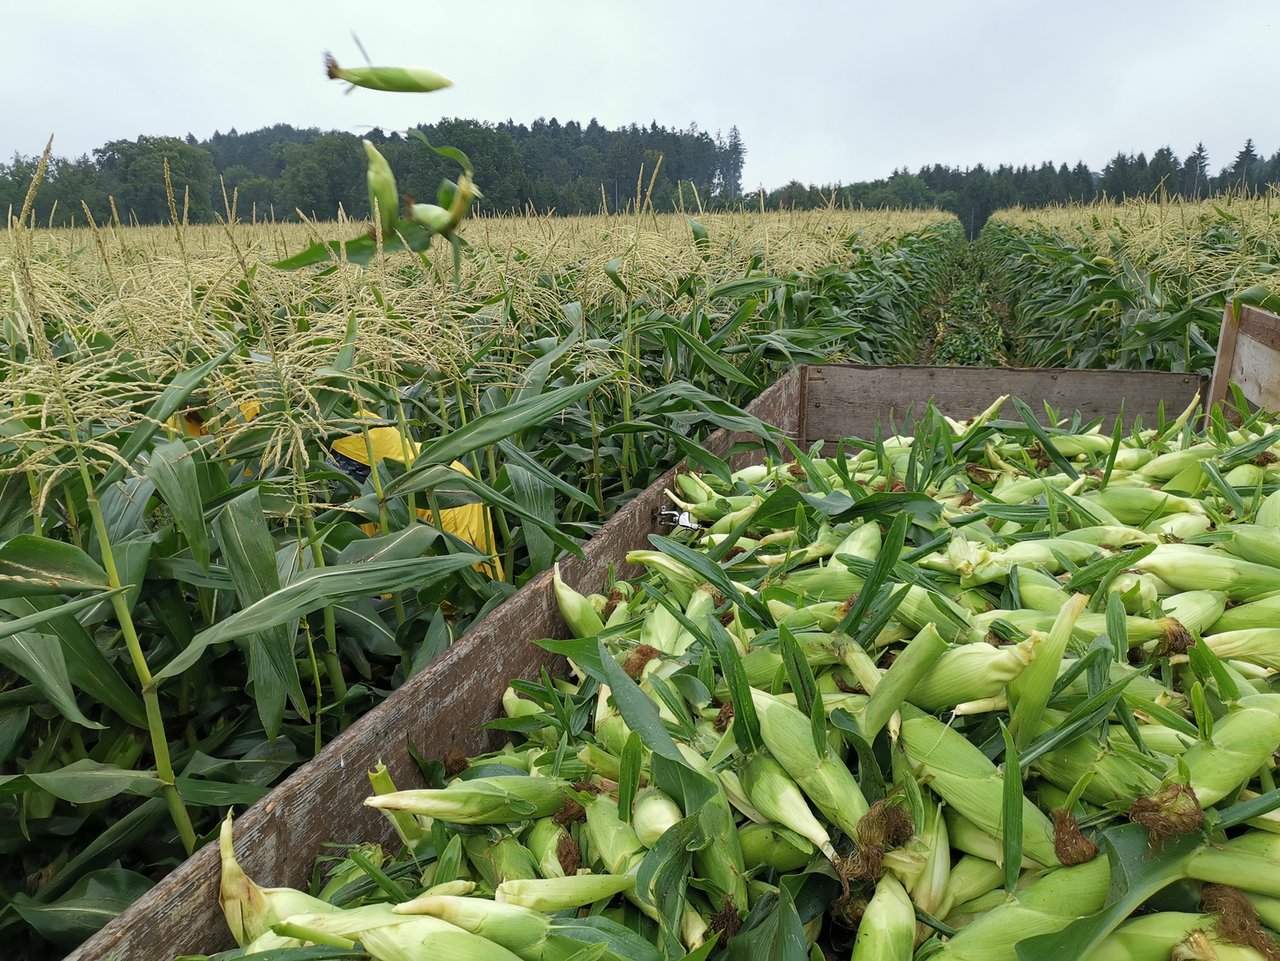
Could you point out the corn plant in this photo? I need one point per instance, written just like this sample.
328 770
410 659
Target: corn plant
1139 285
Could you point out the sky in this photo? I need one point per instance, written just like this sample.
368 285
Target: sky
822 91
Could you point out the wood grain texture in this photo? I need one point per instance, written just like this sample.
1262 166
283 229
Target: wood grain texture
847 400
441 709
1249 356
1225 360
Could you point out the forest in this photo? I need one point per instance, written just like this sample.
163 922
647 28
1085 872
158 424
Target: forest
280 172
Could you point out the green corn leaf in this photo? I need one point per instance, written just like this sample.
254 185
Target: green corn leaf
1011 817
637 710
32 566
173 469
629 779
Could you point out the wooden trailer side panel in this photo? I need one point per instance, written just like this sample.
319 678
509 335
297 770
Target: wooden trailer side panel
848 401
1249 356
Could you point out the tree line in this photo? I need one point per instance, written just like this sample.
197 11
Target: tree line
282 171
973 194
279 171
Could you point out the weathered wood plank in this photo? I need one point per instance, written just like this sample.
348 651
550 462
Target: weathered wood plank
441 710
1228 335
1249 356
1256 370
845 400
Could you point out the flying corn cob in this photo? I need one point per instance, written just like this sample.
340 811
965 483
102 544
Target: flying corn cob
393 79
383 200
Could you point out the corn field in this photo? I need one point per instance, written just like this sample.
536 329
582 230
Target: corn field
197 596
1139 285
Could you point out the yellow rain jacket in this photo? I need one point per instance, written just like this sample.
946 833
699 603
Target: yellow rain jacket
472 523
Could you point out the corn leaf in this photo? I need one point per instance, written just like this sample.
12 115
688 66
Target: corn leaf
32 566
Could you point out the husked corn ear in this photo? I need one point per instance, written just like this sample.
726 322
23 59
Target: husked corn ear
775 795
912 663
1196 610
405 824
823 778
1133 458
1241 743
1188 567
1139 592
1261 545
971 672
611 841
515 928
737 796
1040 592
251 910
1149 936
424 936
970 877
553 847
1180 526
824 544
772 845
1071 445
984 566
492 800
835 582
655 813
1045 906
963 776
1031 690
719 862
679 580
384 202
693 489
1136 505
1262 613
579 616
561 894
500 860
1157 737
1110 536
1203 946
1118 771
1167 466
929 888
861 542
1269 511
887 930
1259 645
393 79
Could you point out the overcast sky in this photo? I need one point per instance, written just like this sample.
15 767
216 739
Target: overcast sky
822 91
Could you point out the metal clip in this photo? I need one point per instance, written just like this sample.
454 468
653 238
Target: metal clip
674 519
